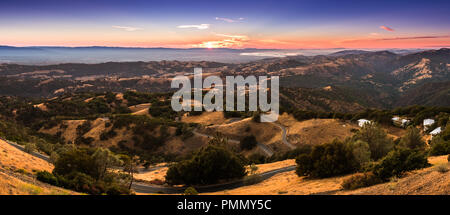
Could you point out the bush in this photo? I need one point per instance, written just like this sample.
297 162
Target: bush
397 162
442 168
86 170
30 147
207 166
256 158
248 143
361 152
361 180
47 177
327 160
412 139
376 137
439 146
190 191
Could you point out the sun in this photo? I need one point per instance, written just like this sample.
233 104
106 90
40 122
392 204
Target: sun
209 45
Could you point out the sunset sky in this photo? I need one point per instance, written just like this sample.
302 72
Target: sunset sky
232 24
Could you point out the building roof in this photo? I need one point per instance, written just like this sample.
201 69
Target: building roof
428 122
436 131
361 122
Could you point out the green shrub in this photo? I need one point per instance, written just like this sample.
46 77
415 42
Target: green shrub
248 143
30 147
442 168
361 152
397 162
190 191
412 139
207 166
361 180
439 146
327 160
47 177
379 143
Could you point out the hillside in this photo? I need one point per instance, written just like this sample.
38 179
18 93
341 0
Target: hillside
420 182
17 170
358 79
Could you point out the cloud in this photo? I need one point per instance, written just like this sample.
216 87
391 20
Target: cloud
199 27
415 38
229 20
126 28
232 36
396 38
386 28
228 42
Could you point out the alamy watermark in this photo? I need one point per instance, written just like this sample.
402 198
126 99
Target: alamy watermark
213 99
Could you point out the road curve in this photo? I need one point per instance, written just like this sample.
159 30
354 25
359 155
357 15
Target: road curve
284 135
268 151
146 188
22 148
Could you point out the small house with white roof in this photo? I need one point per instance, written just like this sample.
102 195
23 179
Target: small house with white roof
435 132
362 122
427 123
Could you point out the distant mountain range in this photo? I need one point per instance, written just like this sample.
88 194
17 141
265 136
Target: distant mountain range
345 80
46 55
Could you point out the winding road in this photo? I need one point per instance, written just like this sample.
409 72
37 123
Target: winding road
284 135
22 148
268 151
140 187
146 188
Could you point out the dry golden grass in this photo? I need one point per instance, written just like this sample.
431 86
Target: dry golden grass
428 181
266 133
206 118
69 133
12 158
315 131
157 172
41 106
13 186
419 182
140 109
97 128
179 146
275 165
286 183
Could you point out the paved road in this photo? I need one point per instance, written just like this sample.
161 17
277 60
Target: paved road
284 135
268 151
22 148
146 188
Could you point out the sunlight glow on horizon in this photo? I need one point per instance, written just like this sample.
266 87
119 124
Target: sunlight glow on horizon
308 24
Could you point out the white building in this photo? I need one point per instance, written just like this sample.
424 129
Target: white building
427 123
405 122
362 122
436 131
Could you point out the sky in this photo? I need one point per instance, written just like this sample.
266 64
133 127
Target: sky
281 24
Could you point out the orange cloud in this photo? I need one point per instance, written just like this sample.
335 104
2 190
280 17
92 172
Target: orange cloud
386 28
230 41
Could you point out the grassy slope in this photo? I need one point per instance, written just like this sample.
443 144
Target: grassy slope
16 173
